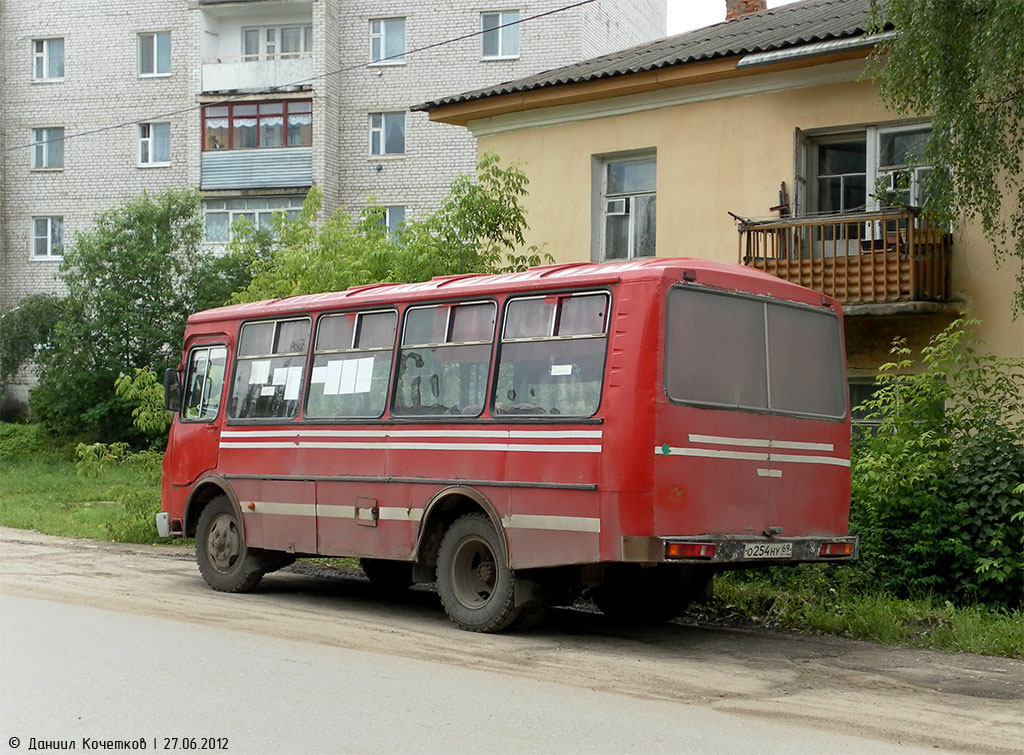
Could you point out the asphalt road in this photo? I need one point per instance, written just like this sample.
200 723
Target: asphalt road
125 643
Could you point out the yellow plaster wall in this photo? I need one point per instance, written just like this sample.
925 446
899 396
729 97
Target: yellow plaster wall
714 157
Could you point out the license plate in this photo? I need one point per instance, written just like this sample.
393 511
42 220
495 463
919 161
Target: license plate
768 550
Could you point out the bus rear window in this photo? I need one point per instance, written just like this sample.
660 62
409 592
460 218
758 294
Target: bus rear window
739 352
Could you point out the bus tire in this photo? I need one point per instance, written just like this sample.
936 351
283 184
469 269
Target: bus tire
474 581
387 576
224 560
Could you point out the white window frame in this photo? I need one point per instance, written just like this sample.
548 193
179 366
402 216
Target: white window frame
378 134
380 34
212 205
153 38
41 59
394 215
619 203
52 241
505 17
271 39
44 153
148 145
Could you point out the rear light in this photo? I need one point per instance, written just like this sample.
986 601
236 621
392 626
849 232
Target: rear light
835 549
690 550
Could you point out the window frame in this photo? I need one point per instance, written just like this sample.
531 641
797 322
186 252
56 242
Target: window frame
315 351
552 338
43 151
504 25
150 141
294 205
604 198
277 53
50 256
381 39
381 132
290 108
233 418
154 37
209 347
41 59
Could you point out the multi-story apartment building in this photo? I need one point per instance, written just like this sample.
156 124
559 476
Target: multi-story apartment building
254 102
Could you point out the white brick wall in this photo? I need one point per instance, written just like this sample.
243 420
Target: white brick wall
101 87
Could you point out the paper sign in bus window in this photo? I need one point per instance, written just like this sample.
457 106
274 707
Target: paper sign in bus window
280 375
259 372
293 382
561 369
319 376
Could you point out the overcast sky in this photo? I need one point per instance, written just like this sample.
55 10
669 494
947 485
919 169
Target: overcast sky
684 15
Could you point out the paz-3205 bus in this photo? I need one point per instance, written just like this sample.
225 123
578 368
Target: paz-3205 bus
632 428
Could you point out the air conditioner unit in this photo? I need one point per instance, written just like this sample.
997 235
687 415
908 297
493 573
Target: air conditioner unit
617 206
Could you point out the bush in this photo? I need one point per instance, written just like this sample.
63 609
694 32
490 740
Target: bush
934 496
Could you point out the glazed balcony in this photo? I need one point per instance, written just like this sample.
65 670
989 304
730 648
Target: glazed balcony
858 258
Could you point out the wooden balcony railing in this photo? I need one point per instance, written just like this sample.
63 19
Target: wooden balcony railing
886 256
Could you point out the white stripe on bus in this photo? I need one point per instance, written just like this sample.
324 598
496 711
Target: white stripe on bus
436 446
769 472
714 453
547 522
795 445
536 434
834 460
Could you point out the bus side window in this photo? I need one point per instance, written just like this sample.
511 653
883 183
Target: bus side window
269 369
204 383
445 359
552 356
352 365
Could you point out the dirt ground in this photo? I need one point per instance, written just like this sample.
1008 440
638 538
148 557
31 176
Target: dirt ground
960 702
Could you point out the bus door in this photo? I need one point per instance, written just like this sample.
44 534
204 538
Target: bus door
197 432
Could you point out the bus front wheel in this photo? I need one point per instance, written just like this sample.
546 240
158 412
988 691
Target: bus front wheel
224 560
474 581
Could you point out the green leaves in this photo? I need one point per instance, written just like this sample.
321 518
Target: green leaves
959 63
936 496
477 229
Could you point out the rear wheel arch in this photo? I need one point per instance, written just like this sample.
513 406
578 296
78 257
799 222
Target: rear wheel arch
442 510
202 493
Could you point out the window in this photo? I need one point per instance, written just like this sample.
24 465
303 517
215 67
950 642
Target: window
444 360
204 383
628 208
268 373
258 125
387 40
387 133
47 59
220 214
271 42
47 237
47 148
393 217
352 365
500 38
154 144
552 356
155 54
744 353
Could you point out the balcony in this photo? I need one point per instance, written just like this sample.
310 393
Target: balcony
858 258
257 75
284 167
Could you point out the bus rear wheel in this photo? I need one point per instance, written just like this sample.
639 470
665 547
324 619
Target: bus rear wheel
224 560
474 581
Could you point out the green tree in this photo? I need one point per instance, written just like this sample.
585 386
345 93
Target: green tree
24 330
935 488
477 229
959 62
131 282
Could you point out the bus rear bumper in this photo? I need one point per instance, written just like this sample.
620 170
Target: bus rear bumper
736 550
163 524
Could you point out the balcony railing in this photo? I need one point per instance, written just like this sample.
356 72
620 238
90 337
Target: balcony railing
282 167
857 258
231 75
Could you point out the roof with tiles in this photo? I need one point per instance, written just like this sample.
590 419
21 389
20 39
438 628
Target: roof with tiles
792 25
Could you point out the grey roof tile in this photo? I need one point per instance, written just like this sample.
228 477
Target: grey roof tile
786 26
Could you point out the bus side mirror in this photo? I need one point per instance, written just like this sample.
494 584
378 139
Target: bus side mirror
172 390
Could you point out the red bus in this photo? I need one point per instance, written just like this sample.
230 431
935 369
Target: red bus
632 428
